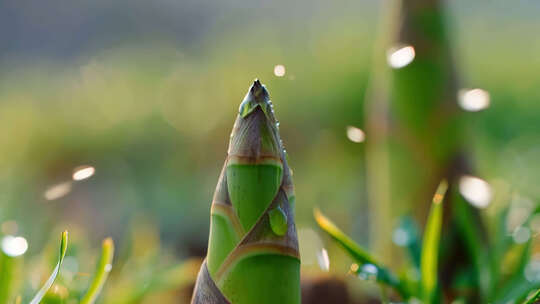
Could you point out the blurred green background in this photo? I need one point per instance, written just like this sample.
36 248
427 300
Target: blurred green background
146 92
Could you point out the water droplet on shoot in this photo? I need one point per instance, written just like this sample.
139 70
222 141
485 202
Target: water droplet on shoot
278 221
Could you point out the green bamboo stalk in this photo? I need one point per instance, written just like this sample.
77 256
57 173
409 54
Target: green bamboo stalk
414 128
253 247
102 272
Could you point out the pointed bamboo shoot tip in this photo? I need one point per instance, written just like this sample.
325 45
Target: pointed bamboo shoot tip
258 90
257 83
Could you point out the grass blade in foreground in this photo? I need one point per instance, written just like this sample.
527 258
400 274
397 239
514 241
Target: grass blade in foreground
9 267
430 245
535 298
383 275
102 272
253 247
63 247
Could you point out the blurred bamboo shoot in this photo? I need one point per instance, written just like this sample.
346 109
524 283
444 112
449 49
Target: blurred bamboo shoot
414 128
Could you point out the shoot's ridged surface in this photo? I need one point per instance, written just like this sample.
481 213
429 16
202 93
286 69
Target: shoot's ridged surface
253 248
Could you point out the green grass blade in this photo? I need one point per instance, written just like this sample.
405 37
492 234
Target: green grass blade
102 272
7 274
63 247
475 244
515 286
357 252
383 275
430 245
534 299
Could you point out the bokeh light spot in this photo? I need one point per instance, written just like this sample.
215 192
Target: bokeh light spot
57 191
473 100
83 172
279 70
355 134
14 246
398 57
475 190
521 234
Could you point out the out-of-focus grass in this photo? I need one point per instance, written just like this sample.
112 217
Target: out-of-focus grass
513 276
138 278
102 272
63 248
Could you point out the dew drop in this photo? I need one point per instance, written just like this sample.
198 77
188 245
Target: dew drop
108 268
368 272
278 221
